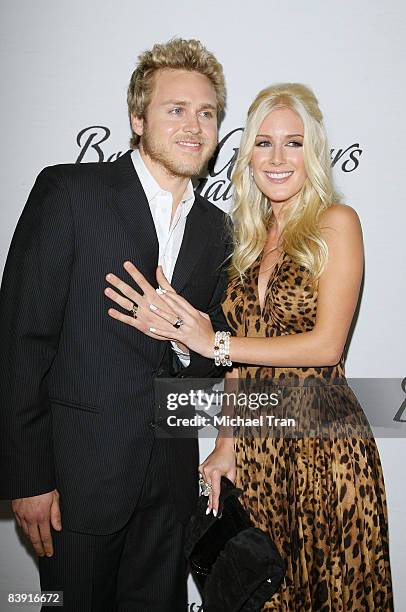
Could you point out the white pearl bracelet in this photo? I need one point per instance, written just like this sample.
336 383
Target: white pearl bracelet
222 349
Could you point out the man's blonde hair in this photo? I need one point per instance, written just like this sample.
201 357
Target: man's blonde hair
176 54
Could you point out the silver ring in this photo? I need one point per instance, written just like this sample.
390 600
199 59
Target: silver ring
205 487
178 323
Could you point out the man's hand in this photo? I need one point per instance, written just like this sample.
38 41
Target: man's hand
35 515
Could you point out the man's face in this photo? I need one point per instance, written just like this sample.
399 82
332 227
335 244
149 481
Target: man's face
180 128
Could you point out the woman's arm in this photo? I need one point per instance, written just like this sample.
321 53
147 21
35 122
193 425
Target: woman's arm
221 460
338 293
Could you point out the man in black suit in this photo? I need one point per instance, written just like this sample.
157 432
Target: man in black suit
103 501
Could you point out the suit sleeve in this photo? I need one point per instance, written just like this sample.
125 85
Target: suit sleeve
33 297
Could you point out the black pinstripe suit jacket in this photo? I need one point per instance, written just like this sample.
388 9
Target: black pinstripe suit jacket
77 386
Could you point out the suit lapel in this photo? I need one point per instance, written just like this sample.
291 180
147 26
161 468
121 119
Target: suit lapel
132 209
195 238
194 242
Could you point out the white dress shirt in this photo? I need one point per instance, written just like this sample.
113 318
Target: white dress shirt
170 235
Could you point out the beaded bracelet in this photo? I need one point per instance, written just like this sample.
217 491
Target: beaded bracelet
222 349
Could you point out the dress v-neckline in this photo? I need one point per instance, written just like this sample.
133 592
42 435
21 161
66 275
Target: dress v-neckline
276 265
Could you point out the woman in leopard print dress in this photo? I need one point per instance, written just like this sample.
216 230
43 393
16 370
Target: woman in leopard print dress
295 277
320 497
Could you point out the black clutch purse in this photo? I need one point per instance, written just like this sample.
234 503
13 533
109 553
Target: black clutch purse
236 566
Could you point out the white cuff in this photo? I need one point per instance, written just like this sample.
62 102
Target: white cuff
184 358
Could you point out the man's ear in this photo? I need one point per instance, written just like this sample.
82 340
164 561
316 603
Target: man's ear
137 124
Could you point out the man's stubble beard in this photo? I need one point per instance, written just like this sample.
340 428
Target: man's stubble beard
175 167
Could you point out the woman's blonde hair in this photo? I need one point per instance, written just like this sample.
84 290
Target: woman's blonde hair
252 212
176 54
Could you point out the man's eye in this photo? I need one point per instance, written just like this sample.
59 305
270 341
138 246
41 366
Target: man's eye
207 114
176 111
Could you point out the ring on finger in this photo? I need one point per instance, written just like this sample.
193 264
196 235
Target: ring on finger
205 487
134 310
178 323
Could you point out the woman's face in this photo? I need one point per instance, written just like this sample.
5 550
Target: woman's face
277 158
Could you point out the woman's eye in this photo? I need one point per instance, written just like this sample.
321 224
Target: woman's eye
295 143
263 143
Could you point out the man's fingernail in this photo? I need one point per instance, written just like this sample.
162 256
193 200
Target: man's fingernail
153 307
214 512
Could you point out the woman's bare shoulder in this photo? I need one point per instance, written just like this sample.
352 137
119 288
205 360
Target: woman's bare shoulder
340 216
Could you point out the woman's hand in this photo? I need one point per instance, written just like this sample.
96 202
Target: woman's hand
158 311
221 462
196 330
128 298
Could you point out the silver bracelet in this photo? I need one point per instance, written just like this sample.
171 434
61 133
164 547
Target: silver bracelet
222 349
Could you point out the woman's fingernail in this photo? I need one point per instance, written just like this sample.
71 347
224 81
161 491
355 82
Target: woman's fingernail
214 512
126 264
153 307
152 329
160 291
208 510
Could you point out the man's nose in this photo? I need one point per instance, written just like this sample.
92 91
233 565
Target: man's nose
192 124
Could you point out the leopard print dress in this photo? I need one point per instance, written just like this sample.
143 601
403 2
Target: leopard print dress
320 497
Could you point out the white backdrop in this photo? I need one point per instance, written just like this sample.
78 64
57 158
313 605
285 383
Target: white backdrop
65 67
